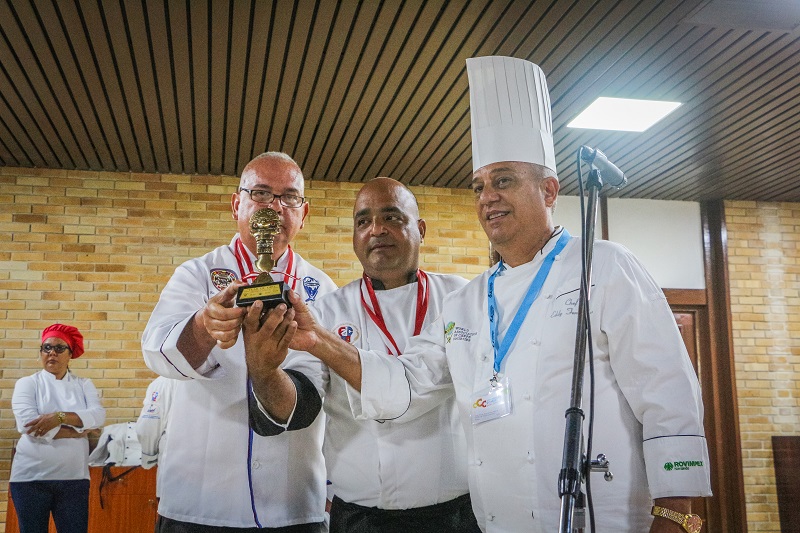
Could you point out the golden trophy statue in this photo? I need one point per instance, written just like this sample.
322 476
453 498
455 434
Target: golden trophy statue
264 225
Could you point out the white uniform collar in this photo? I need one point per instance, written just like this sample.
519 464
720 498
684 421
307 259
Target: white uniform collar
541 254
49 376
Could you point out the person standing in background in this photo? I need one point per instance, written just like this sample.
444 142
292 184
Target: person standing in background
151 426
53 409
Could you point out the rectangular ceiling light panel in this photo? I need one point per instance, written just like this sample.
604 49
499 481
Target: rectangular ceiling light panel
622 114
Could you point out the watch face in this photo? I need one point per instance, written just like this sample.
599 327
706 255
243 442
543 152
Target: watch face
693 523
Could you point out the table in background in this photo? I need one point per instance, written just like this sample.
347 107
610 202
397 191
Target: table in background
129 502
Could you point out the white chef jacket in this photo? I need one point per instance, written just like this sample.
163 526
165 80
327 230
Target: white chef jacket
151 426
217 471
389 465
649 412
117 445
46 458
152 422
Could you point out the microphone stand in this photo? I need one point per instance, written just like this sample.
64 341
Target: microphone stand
574 466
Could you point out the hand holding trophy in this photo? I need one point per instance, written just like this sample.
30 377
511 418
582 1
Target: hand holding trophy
264 225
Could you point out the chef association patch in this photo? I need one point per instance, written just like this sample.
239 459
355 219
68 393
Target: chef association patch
222 277
457 333
347 332
448 331
311 285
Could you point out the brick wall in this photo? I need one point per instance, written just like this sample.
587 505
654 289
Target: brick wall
764 269
95 249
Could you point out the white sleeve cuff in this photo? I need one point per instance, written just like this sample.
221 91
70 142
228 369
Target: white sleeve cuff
149 461
677 466
266 414
170 362
385 391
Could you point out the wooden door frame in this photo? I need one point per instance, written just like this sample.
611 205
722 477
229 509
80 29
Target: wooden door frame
717 375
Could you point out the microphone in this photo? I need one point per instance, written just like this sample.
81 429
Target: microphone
612 175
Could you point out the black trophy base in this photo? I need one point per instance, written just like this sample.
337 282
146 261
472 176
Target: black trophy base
272 294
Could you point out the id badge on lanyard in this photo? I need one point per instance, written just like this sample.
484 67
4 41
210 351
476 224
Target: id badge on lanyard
492 402
495 401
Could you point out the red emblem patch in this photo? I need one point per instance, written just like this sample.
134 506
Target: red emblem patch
222 277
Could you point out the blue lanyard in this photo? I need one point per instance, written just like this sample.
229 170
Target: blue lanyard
533 292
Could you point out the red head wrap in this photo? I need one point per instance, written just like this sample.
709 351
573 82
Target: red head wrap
68 334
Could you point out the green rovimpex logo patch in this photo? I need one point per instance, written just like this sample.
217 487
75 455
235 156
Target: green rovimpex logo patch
681 465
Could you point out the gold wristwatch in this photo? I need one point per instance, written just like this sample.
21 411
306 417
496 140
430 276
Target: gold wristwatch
61 416
689 522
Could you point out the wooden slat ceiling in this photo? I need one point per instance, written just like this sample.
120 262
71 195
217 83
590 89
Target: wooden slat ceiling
356 89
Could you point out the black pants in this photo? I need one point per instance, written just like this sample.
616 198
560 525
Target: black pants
455 516
167 525
67 500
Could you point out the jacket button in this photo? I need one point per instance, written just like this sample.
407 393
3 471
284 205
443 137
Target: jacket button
490 517
256 465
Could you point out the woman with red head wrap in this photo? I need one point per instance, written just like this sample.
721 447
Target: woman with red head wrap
54 409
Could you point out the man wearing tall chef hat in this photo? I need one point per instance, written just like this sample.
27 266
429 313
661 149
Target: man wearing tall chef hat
504 344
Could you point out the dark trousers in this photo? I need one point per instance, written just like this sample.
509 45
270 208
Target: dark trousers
455 516
168 525
67 500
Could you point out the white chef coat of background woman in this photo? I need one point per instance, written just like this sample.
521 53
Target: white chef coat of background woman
45 458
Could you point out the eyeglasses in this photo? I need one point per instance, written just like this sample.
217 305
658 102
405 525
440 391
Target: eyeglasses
264 197
58 348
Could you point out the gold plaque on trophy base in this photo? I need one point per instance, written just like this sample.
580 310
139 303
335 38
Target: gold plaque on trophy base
271 293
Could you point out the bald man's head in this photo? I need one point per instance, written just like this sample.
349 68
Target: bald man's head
387 231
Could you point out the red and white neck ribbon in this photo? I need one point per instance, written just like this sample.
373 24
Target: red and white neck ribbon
247 270
373 309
